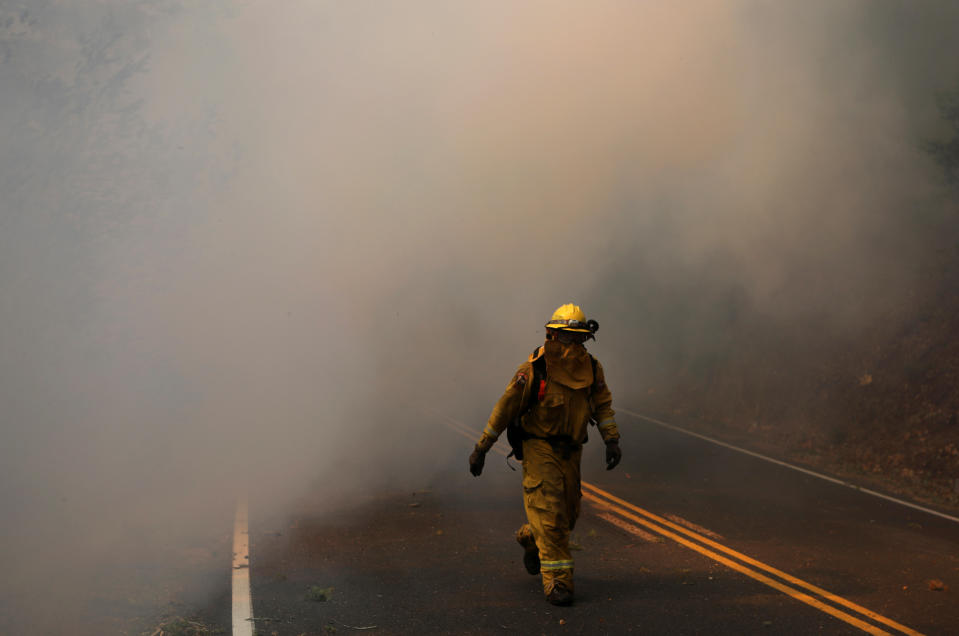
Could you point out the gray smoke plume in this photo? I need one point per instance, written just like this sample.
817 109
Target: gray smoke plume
239 242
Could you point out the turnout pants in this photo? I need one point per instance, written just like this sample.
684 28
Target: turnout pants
551 494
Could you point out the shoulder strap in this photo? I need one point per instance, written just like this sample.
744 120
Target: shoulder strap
539 381
593 362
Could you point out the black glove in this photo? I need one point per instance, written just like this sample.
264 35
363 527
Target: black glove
477 459
613 454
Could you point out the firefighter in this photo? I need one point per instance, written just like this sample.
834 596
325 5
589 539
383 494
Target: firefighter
546 409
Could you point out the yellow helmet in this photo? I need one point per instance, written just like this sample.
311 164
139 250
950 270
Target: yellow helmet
570 317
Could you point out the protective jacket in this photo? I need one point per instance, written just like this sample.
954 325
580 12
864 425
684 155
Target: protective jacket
572 398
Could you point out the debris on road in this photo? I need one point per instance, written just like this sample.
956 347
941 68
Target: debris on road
349 626
319 594
179 626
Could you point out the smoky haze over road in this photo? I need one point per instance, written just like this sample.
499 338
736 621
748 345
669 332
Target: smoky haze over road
250 230
731 542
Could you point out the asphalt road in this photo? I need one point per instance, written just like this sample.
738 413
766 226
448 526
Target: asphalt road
442 559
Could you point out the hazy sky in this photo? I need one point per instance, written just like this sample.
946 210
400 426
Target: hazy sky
239 240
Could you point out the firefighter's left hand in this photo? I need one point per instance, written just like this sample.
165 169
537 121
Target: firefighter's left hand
613 454
477 459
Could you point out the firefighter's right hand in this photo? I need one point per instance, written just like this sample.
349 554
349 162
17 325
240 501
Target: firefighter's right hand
477 459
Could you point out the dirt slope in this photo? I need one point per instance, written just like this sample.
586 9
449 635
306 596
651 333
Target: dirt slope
880 409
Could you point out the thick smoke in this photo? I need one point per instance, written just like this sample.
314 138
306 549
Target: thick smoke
240 244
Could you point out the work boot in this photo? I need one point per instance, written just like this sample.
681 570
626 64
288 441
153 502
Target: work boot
531 557
531 560
560 596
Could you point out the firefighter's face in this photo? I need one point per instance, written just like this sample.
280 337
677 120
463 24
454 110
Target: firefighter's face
568 337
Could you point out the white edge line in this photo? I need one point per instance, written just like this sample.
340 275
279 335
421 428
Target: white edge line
694 538
242 604
821 596
782 463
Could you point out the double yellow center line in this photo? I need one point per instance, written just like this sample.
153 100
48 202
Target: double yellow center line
786 583
800 590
